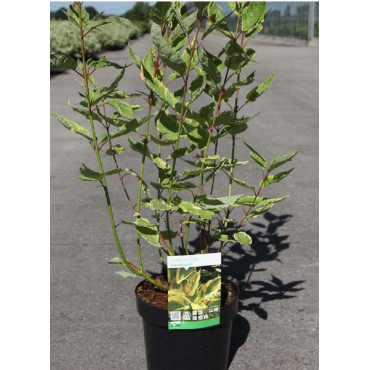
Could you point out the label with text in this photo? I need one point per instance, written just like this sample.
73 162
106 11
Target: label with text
194 295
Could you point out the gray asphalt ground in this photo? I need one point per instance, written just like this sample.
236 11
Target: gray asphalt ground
94 323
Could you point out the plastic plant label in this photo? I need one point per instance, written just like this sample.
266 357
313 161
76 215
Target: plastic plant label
194 295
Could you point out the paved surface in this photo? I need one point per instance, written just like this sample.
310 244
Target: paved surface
94 323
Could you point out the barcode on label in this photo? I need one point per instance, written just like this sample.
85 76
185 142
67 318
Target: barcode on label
175 315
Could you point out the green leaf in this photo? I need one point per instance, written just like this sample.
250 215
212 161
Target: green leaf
237 7
188 174
89 175
265 202
111 120
185 56
168 233
160 12
86 114
252 14
126 274
196 117
260 89
212 73
139 147
102 63
159 162
221 25
181 152
223 238
197 86
122 107
178 37
201 4
157 205
148 231
97 96
60 62
134 57
276 162
238 58
148 62
168 56
73 15
92 80
175 186
120 20
258 212
243 238
257 157
196 134
73 126
97 24
246 80
158 88
115 260
117 149
178 16
97 16
240 182
197 221
190 21
216 203
177 40
213 90
217 17
161 141
253 32
167 125
249 200
271 179
207 112
126 128
236 86
225 118
196 210
114 84
115 171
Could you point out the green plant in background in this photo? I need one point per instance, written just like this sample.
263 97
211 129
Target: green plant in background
173 130
65 38
114 36
139 16
139 12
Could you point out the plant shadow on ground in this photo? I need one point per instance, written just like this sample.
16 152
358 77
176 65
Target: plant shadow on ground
239 263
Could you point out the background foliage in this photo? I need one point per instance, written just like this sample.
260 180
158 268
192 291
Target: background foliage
65 39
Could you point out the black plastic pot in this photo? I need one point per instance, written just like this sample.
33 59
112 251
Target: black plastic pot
201 349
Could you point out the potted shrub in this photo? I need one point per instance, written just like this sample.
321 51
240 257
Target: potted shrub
172 130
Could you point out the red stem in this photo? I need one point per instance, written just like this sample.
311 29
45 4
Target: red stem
252 205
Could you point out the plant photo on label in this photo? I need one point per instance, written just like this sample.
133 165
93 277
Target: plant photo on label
194 296
194 288
178 151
